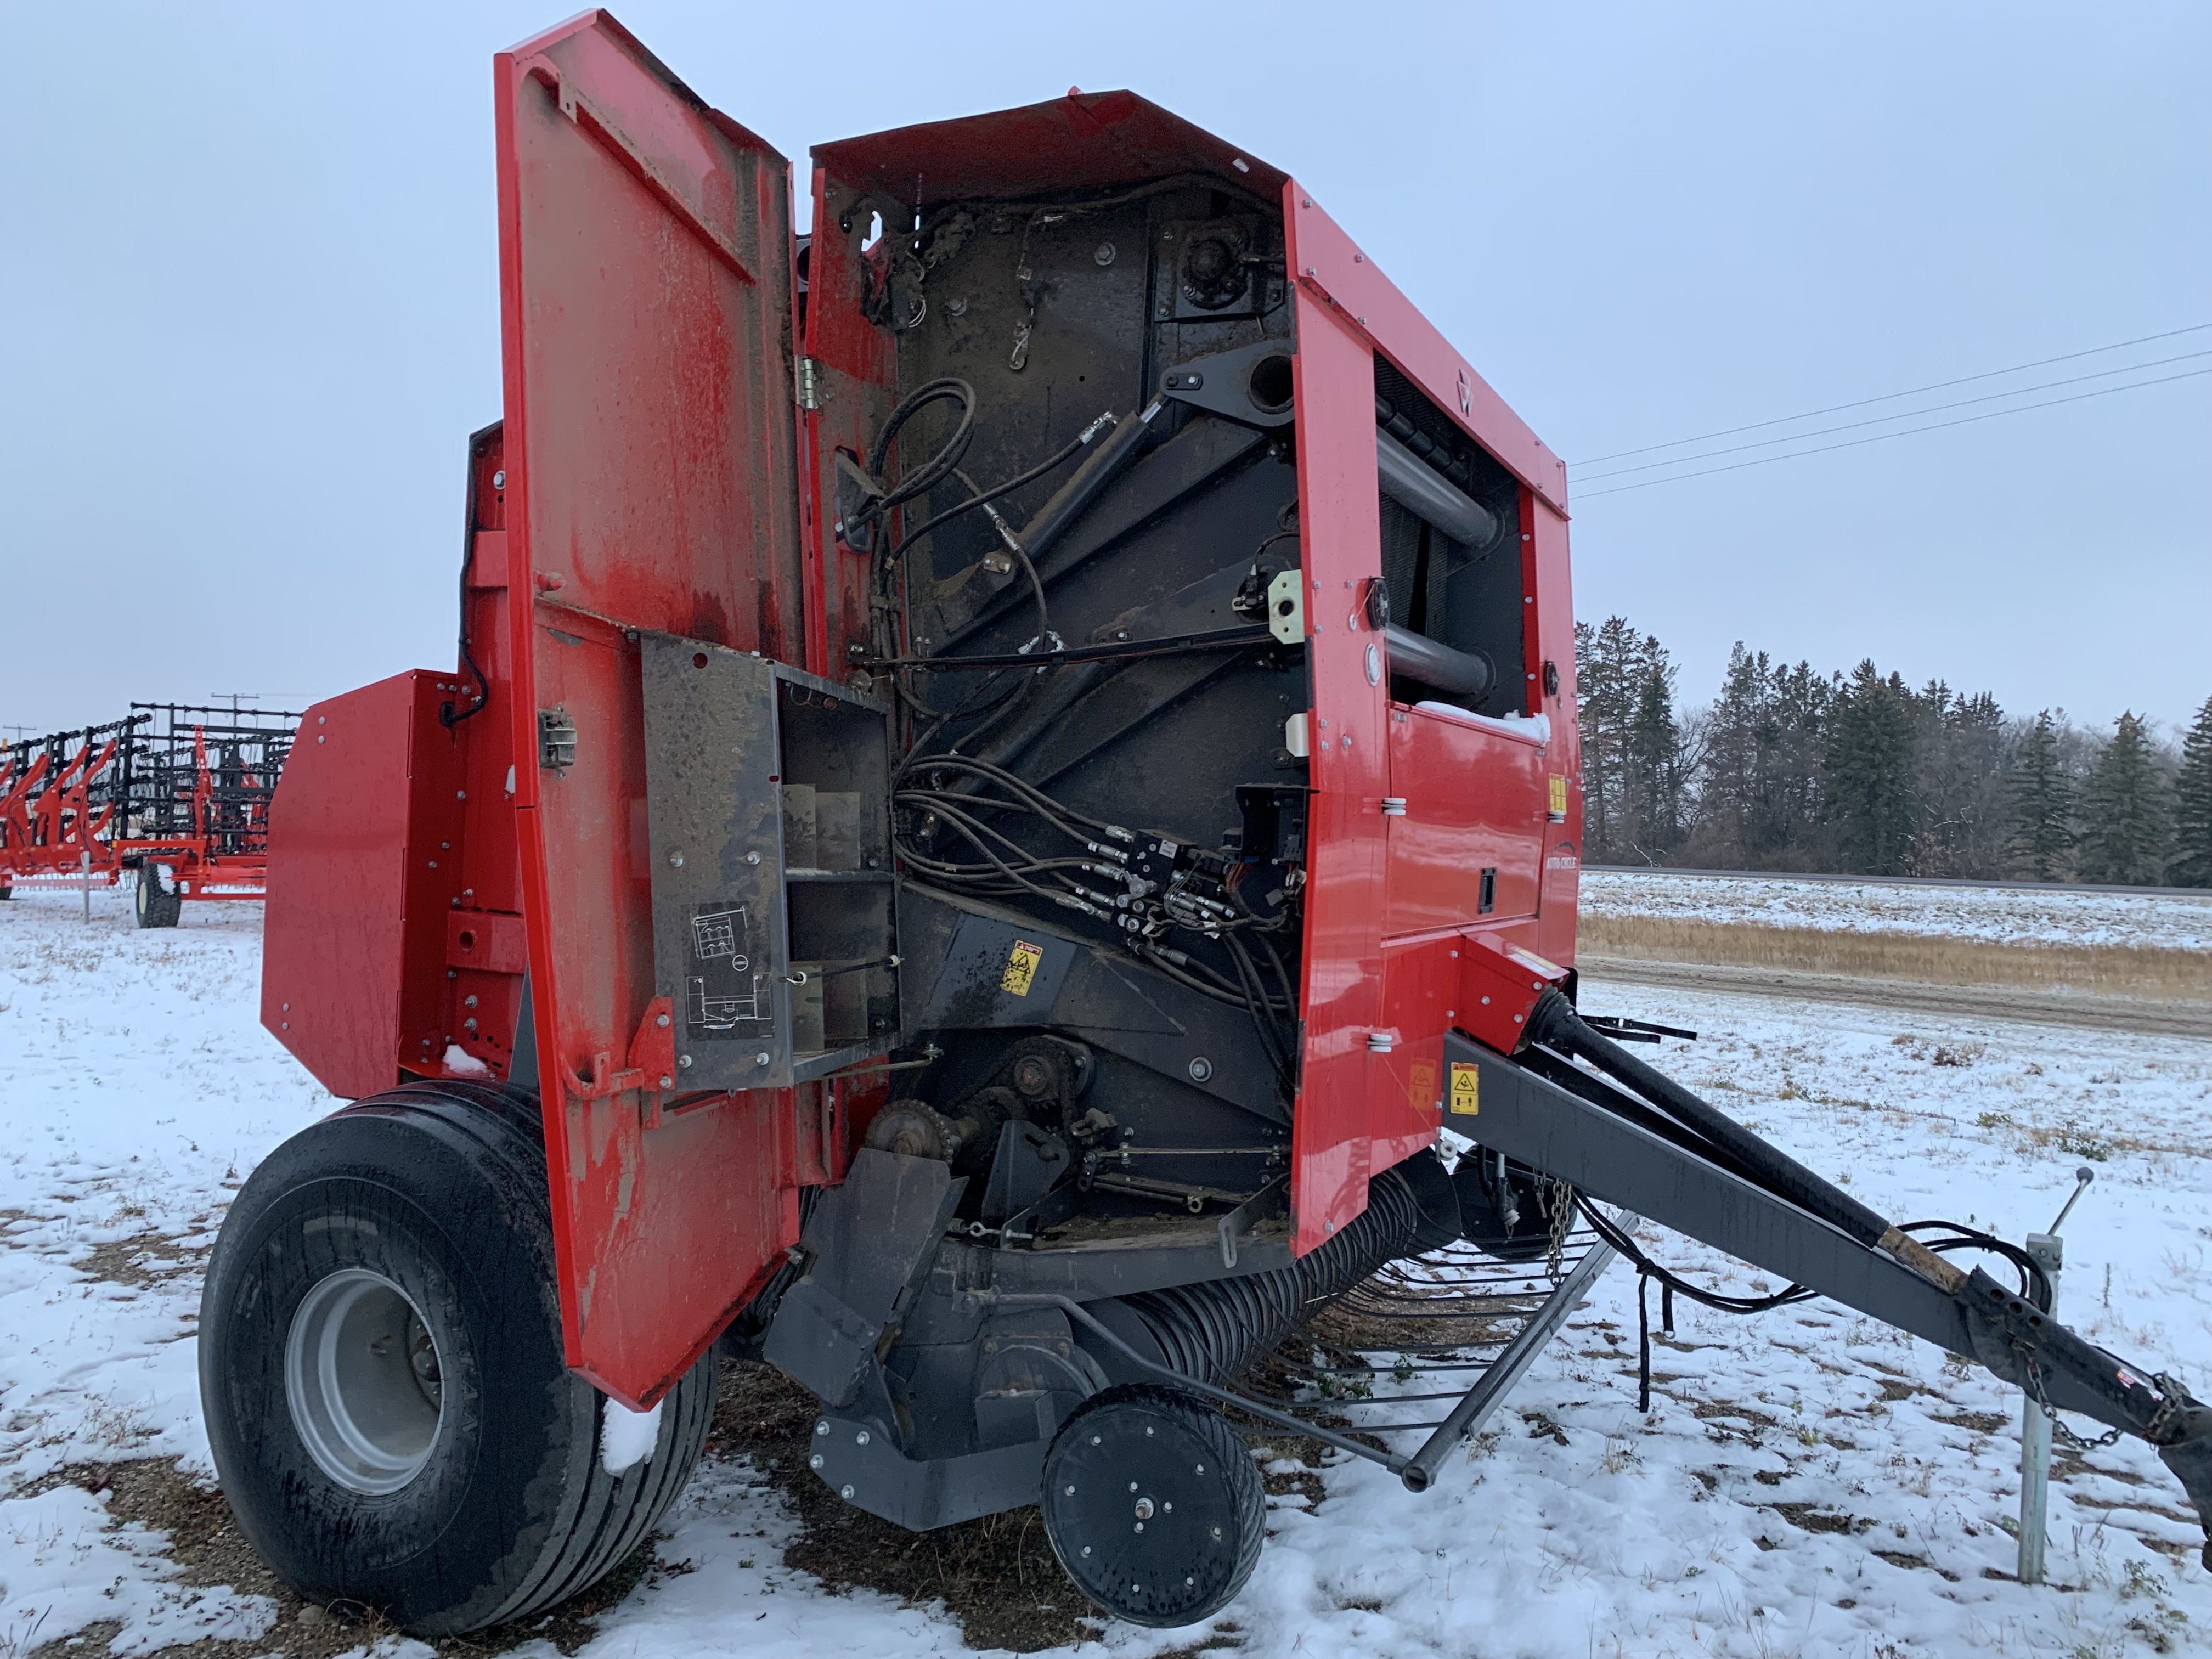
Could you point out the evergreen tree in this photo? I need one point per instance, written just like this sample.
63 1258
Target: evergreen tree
2127 831
1630 743
1655 759
2192 805
1870 773
1758 773
2040 799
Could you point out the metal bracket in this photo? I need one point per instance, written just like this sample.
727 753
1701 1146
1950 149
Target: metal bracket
1286 607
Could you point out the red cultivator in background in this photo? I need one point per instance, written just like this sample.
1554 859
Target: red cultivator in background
176 792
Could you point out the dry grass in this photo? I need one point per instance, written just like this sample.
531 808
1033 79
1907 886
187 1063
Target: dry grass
2133 970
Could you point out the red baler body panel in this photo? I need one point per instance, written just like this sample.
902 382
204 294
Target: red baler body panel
654 473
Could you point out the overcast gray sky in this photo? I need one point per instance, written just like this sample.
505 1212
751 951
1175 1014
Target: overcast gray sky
248 264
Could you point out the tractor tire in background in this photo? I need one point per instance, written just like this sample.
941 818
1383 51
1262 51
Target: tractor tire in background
156 906
381 1371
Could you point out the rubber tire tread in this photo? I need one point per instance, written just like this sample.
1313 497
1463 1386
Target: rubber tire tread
152 906
495 1130
605 1530
1236 1455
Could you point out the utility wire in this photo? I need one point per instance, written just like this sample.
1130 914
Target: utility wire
1908 415
1878 437
1891 397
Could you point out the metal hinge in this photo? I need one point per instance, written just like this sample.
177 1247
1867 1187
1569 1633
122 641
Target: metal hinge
810 394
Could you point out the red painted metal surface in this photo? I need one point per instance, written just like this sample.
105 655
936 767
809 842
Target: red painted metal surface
1339 518
1394 901
362 880
645 258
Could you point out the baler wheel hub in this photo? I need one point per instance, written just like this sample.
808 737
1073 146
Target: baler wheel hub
362 1378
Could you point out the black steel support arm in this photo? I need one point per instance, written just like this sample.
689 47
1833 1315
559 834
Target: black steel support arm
1763 1207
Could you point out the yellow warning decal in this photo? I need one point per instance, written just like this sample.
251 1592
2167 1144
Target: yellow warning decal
1021 967
1466 1097
1559 795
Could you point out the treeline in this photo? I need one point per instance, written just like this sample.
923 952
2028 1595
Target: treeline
1860 773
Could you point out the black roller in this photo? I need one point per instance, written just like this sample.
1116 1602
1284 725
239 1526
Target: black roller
1418 486
1417 657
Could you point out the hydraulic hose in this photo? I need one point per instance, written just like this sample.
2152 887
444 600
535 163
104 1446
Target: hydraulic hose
1556 1025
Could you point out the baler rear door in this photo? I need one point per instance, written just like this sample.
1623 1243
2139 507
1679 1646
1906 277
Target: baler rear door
651 486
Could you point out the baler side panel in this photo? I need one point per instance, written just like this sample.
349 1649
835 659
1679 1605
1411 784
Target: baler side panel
353 947
1339 519
1551 653
1474 801
651 484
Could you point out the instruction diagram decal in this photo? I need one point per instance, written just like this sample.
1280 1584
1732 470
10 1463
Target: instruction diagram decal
725 987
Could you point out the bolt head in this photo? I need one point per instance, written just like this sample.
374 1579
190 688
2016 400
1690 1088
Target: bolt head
661 1020
815 1461
861 1438
675 861
821 1425
683 1060
762 1058
845 1491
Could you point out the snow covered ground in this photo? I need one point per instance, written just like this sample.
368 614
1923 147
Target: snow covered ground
1808 1483
2010 915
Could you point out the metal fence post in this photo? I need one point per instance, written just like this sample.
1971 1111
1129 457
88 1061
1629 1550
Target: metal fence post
2049 1253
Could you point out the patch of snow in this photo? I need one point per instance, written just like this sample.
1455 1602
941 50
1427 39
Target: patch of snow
1808 1482
627 1438
460 1062
64 1565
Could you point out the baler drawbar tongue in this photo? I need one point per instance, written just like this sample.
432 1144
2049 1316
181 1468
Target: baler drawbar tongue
1633 1137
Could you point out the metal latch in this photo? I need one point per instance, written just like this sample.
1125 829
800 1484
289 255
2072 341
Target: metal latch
556 740
809 393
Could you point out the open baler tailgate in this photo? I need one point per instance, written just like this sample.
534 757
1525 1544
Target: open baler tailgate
645 263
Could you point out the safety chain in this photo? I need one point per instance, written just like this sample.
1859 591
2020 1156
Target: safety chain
1561 1208
2051 1413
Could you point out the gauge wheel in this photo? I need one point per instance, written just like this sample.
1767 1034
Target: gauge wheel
1153 1505
381 1372
156 905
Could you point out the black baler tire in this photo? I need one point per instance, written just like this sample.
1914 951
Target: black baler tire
441 1187
156 906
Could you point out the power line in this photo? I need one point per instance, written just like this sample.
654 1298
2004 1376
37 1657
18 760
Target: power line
1891 397
1909 414
1878 437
